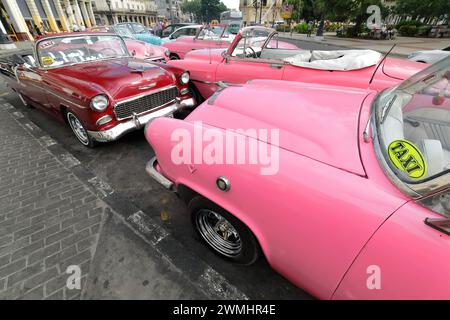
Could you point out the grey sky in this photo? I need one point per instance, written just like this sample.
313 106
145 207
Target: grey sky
232 4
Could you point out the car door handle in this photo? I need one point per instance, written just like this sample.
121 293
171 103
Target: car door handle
276 65
442 225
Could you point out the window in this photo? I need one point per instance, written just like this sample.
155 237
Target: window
414 125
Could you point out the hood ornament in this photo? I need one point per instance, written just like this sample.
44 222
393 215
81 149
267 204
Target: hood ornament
148 86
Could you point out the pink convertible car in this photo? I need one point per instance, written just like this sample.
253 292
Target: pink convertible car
256 53
345 191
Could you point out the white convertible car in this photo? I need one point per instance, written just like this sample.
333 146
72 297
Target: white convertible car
430 56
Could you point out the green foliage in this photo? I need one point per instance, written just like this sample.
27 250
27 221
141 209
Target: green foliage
204 10
414 23
301 27
408 31
422 8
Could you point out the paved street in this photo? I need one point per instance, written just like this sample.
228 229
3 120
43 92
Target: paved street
146 251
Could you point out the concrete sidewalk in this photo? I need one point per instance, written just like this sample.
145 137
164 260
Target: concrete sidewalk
404 45
54 214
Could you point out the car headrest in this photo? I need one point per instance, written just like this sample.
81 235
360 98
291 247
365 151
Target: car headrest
434 156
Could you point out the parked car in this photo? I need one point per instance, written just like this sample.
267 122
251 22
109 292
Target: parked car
172 27
190 31
139 49
207 37
140 32
345 191
256 53
90 81
429 56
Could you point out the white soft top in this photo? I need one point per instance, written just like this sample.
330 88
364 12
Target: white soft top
336 59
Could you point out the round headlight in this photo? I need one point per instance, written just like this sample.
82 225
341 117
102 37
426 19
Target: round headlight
167 52
99 103
184 79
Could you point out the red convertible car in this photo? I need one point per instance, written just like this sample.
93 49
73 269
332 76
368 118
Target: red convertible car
345 191
92 82
256 53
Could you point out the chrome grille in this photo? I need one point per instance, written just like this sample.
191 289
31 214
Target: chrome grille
146 103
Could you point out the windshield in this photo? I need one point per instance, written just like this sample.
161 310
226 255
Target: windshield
123 31
61 51
251 43
213 33
413 122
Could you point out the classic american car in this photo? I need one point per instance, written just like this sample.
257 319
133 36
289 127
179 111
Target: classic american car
137 48
206 37
92 82
345 191
140 32
256 53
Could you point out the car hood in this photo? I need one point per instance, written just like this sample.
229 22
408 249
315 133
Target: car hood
319 122
202 54
120 78
401 69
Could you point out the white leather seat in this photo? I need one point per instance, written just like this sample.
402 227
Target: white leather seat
434 156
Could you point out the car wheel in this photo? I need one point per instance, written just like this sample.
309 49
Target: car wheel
79 130
222 232
174 56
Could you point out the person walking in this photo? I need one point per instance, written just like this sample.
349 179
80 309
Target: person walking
309 30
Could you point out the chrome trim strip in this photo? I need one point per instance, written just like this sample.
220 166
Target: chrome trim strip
56 95
152 172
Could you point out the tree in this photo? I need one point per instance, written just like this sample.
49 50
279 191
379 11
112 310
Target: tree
193 7
211 9
203 10
423 9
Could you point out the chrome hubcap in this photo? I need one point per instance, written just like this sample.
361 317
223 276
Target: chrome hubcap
78 129
218 233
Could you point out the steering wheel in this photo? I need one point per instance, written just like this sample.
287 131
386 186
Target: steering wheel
252 53
104 52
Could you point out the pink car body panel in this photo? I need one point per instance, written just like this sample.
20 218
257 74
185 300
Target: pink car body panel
146 51
183 45
320 223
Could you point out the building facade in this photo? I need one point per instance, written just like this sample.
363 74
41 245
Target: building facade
114 11
23 19
271 11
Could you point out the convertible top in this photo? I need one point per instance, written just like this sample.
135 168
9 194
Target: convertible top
341 60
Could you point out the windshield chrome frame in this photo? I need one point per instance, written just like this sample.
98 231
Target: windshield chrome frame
104 34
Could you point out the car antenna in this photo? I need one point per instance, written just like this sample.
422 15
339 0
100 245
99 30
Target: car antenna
381 62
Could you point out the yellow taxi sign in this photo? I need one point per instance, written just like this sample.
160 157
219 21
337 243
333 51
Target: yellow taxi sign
405 156
47 61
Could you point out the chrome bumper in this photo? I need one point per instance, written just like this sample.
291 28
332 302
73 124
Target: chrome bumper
138 121
152 172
